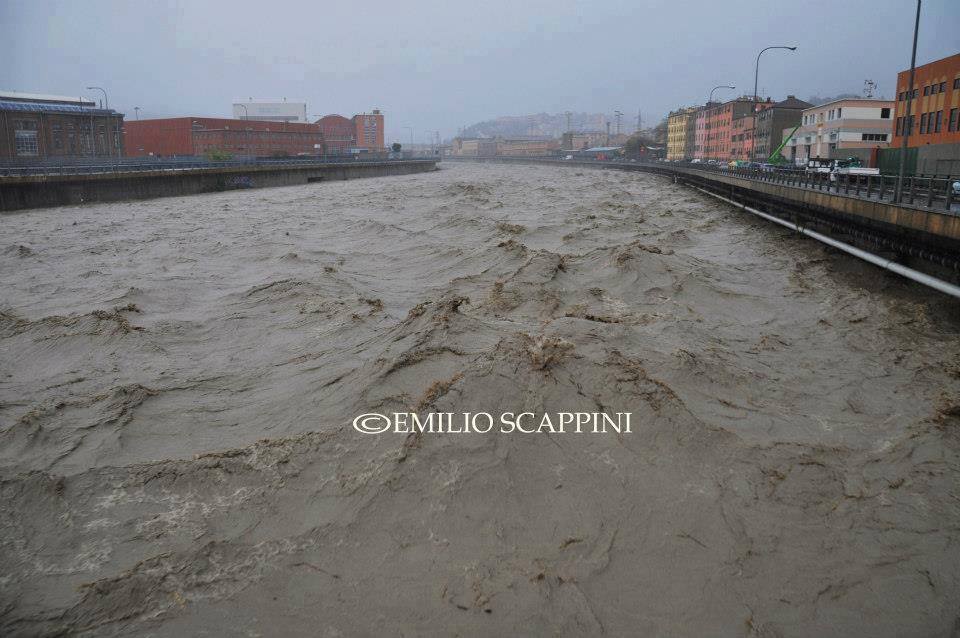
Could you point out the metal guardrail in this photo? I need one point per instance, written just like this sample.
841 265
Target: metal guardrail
128 166
929 193
922 192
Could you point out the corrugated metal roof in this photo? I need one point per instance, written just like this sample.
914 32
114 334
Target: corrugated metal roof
37 107
40 97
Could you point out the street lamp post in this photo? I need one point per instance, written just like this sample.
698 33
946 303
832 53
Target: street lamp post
246 113
907 124
719 86
756 77
410 128
106 106
136 111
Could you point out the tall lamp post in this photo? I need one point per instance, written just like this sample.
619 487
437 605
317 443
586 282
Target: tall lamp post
410 128
719 86
106 105
246 113
907 124
136 111
756 77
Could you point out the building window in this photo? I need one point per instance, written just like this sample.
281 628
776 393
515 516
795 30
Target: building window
873 137
926 92
839 111
953 120
25 143
25 138
56 132
939 122
943 87
923 123
885 114
899 126
956 83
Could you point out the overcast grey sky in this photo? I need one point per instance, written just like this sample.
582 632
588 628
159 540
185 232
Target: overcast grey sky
441 65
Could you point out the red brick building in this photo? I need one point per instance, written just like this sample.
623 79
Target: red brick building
935 109
363 131
36 127
369 127
194 136
339 133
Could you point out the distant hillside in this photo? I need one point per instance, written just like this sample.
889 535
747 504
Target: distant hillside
540 125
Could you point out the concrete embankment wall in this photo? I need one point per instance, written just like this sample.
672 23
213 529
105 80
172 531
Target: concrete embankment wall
38 191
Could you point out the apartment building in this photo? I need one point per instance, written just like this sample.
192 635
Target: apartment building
840 129
771 123
681 130
714 128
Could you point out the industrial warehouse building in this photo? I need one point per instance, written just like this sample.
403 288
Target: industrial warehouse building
195 136
362 132
36 127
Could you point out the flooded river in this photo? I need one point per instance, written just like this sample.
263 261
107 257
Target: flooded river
180 377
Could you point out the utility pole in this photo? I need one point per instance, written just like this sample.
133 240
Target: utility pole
617 115
639 122
907 122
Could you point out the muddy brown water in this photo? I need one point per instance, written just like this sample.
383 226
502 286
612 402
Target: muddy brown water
179 377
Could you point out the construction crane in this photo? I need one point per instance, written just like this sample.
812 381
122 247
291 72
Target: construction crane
776 157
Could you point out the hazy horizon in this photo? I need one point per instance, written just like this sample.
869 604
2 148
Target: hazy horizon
440 66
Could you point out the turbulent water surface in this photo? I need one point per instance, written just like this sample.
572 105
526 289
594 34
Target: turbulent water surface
179 378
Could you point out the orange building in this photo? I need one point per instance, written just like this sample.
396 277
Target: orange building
935 109
715 138
369 130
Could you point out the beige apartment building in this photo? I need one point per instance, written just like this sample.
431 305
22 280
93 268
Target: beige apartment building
681 131
841 129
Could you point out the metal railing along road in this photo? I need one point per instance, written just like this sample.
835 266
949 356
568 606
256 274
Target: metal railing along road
135 165
930 193
921 192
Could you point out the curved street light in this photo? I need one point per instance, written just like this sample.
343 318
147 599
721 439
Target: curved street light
756 77
106 105
719 86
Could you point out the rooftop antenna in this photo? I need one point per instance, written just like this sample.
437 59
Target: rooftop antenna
869 86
